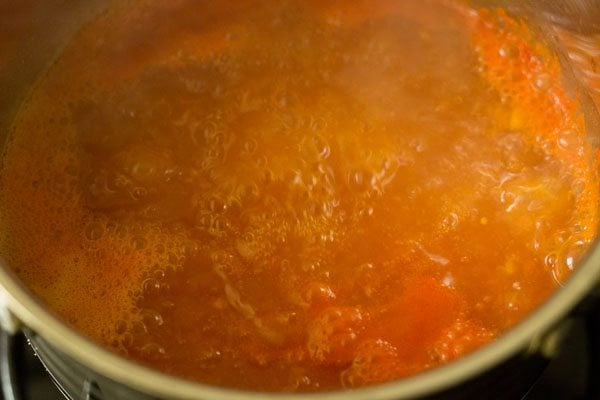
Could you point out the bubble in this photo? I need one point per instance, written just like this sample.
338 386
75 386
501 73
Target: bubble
507 50
139 242
578 186
220 303
509 199
366 211
281 238
327 237
317 124
448 280
214 153
139 193
450 221
217 205
172 173
151 318
250 146
514 164
210 354
167 306
543 82
322 148
191 249
360 180
220 256
551 260
568 140
159 274
212 223
563 236
211 131
251 192
317 291
138 329
387 172
247 249
261 161
218 91
268 176
418 145
120 327
143 171
172 258
127 340
217 226
368 266
152 351
512 300
298 380
94 231
327 208
356 178
283 100
309 266
575 251
121 231
151 287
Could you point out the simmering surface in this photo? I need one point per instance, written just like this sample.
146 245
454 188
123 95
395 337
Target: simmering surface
297 195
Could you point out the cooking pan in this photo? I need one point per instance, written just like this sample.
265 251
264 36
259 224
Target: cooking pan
32 33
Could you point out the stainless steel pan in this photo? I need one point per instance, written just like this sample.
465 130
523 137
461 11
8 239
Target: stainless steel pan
33 32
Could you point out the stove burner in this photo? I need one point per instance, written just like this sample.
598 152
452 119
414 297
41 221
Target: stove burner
7 368
574 374
23 377
593 329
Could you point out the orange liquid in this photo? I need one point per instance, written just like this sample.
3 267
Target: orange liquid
297 195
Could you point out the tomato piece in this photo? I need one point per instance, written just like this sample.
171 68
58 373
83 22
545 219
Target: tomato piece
334 334
417 318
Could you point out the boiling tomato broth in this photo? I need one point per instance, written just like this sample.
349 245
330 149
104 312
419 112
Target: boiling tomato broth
298 195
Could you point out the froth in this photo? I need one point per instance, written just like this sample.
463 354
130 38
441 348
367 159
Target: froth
95 277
